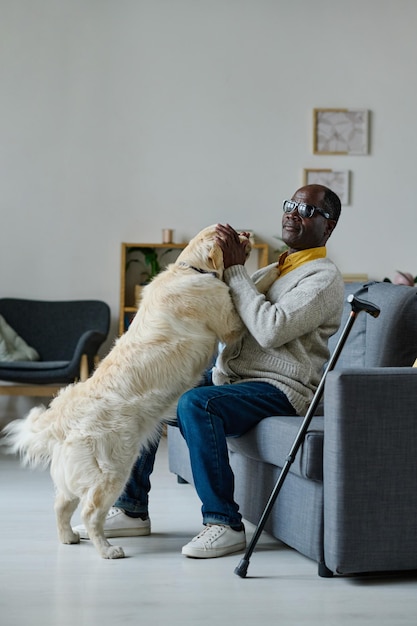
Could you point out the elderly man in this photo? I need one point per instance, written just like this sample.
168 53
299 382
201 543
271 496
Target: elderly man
274 369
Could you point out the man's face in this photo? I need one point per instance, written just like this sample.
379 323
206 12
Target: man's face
309 232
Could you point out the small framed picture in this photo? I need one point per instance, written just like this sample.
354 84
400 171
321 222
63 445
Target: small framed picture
341 131
337 180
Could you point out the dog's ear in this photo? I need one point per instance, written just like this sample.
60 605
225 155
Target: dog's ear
216 257
248 246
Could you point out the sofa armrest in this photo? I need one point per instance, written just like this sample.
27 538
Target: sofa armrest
370 469
88 344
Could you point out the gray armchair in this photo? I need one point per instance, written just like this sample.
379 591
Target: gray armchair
66 335
350 499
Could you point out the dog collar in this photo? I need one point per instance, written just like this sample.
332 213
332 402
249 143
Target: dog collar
198 269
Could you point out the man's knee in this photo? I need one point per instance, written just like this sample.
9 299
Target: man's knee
187 403
192 408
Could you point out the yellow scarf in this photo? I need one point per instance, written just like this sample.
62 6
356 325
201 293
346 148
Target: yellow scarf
288 262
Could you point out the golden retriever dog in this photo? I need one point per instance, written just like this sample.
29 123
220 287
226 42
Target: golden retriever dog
92 431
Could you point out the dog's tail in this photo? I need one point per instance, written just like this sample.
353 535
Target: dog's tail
31 438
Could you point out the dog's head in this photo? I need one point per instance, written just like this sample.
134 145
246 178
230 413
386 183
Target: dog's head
204 253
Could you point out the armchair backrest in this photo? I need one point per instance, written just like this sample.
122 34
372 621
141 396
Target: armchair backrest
387 341
54 328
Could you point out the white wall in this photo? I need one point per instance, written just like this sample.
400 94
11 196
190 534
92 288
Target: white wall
122 117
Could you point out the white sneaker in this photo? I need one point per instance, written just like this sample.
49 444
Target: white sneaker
215 540
118 524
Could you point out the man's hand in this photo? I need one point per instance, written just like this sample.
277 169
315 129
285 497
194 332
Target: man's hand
234 250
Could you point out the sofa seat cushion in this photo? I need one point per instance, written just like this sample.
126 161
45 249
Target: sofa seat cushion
33 366
272 439
39 372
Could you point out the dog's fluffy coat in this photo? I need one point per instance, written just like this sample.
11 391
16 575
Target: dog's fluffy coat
92 431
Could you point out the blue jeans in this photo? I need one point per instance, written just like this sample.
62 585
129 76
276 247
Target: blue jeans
135 497
207 415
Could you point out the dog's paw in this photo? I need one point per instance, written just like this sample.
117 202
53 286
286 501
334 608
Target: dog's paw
264 283
70 537
113 552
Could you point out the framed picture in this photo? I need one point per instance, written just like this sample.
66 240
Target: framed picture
340 131
336 180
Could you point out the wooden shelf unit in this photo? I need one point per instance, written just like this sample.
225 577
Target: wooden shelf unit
133 270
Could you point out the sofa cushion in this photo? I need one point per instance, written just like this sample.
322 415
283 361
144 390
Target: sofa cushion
272 439
12 346
32 366
380 342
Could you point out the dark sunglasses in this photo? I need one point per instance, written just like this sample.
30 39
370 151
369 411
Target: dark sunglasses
304 210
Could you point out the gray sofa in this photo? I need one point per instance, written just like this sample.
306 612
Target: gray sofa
350 499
